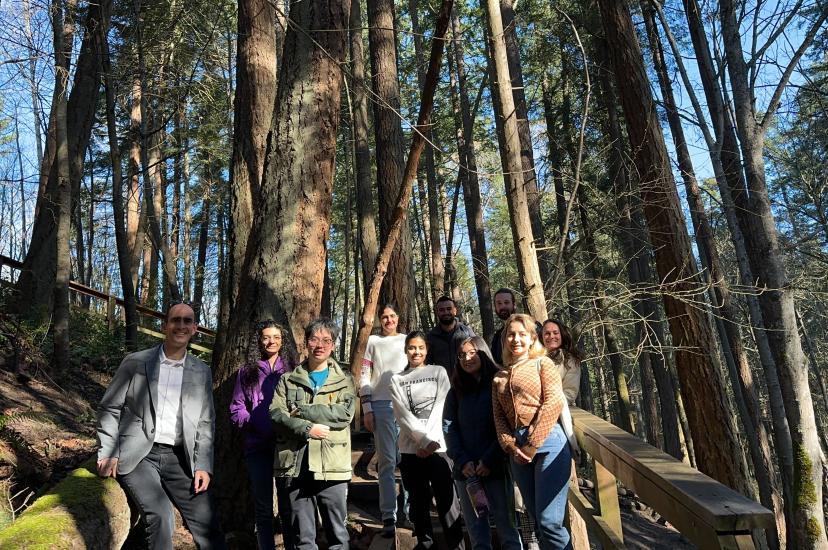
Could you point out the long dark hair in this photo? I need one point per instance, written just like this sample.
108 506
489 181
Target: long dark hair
287 353
568 345
463 382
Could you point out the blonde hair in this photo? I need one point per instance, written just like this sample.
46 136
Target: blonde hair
535 350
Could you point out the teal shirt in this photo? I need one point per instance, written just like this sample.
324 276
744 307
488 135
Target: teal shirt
318 379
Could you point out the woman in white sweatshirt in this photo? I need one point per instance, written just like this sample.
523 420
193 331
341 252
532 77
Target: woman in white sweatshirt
418 395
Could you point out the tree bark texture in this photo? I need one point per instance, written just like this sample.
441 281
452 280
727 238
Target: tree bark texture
398 286
439 270
527 259
527 156
252 115
62 32
714 437
282 275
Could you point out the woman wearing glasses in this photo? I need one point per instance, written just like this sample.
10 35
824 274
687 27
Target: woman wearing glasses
270 356
312 408
472 445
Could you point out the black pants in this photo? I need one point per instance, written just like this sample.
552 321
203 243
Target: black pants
424 477
163 479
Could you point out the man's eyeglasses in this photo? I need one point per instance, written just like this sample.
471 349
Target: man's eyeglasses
316 341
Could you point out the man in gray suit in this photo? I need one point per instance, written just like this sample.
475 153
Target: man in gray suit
155 428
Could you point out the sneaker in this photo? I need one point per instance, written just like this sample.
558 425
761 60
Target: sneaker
404 523
388 528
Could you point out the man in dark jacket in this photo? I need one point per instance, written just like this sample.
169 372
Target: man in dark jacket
444 339
504 302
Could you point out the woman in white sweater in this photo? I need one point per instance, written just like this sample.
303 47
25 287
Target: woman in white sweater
384 357
418 395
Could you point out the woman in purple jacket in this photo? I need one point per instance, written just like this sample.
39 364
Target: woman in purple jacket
271 355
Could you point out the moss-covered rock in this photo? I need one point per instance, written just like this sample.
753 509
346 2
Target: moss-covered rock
82 511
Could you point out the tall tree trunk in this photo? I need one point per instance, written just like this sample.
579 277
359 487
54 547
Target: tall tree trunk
776 300
34 87
366 229
468 175
398 286
527 156
283 270
203 237
125 254
151 172
256 58
62 208
35 285
716 445
735 354
369 310
438 270
635 246
527 259
727 166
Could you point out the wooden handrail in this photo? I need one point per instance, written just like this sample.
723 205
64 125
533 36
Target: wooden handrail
706 512
83 289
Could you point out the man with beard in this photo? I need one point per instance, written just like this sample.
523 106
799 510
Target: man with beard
444 339
504 302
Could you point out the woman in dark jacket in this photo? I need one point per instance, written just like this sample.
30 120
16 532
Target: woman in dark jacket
270 356
479 461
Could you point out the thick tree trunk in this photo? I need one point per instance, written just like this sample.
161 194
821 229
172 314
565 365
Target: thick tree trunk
471 185
283 271
735 354
727 164
714 437
256 58
366 211
527 259
398 286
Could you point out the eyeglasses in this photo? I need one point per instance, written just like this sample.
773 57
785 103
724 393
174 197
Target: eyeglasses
186 321
467 354
316 341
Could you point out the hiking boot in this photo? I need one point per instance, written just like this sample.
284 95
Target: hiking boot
388 528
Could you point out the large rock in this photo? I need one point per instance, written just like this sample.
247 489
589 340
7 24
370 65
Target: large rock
82 511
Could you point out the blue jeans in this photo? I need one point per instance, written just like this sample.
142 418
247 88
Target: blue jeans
544 484
260 470
501 507
386 433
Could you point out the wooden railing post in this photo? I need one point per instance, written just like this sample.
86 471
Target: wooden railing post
110 313
606 494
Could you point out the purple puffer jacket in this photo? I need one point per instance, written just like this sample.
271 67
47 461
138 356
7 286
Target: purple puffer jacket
249 409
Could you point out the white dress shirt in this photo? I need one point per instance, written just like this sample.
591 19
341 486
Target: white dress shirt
168 418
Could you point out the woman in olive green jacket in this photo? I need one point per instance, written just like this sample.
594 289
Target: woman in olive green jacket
312 410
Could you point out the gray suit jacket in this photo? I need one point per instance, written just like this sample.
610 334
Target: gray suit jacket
126 414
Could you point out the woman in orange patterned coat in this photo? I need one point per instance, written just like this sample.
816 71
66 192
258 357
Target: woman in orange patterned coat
527 398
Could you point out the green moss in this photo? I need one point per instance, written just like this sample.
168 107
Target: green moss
63 517
805 491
